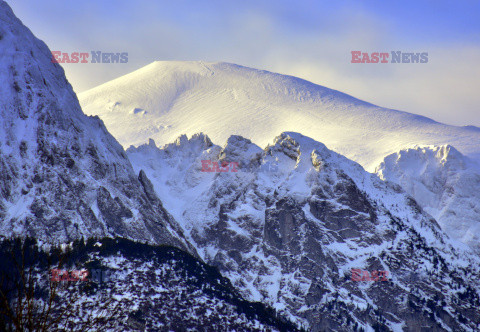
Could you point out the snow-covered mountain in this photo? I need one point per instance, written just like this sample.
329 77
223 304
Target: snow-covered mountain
62 175
286 224
167 99
444 182
289 225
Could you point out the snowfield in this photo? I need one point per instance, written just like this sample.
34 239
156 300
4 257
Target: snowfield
169 98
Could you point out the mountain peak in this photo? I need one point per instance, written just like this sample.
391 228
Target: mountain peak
62 175
445 156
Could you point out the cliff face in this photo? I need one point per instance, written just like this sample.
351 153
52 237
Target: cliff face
62 175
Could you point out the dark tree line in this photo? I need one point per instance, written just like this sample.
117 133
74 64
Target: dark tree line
31 300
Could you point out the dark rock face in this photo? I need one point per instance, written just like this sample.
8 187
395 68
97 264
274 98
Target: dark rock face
112 211
282 224
147 186
62 175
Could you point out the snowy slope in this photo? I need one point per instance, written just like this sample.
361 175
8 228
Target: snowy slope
167 99
289 226
444 182
62 175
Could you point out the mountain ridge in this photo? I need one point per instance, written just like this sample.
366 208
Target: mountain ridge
290 235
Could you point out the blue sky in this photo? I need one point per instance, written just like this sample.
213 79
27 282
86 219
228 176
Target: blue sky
309 39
